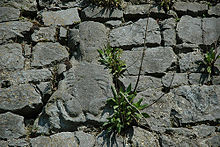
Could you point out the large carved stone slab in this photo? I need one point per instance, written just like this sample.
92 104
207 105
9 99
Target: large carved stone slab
80 98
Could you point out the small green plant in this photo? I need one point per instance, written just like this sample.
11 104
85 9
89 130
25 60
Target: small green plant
210 58
107 3
166 4
126 111
111 58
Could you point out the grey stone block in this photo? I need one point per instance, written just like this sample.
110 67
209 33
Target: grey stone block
134 34
156 60
11 57
62 17
8 14
169 32
174 79
46 53
11 126
101 13
21 99
189 30
27 5
214 10
44 34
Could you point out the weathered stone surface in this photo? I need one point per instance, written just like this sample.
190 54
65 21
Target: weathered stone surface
134 34
204 130
44 34
189 30
62 17
93 36
198 78
46 53
196 104
156 60
18 143
85 88
216 80
27 5
191 62
84 139
213 141
186 48
160 111
8 14
13 29
141 137
101 13
27 50
45 88
26 76
190 8
169 32
113 23
21 99
211 30
214 10
145 82
63 32
11 126
175 79
11 57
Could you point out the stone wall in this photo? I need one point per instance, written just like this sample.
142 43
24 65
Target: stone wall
53 90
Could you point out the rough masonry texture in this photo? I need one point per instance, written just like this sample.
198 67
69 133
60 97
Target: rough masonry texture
53 90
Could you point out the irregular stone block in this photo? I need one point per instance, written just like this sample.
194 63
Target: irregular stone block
93 36
204 130
190 8
169 32
198 78
134 34
8 14
101 13
11 57
113 23
63 32
211 30
214 10
80 97
26 76
73 139
27 5
18 143
189 30
21 99
46 53
191 62
145 82
196 104
213 141
11 126
44 34
62 17
13 29
156 60
175 79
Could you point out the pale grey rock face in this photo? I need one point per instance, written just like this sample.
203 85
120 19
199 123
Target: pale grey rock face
22 99
190 8
211 30
11 126
169 33
8 14
62 17
192 62
26 76
27 5
145 82
214 10
11 57
113 23
133 34
101 13
204 130
196 104
44 34
13 29
156 60
65 139
198 78
80 97
93 36
189 30
175 79
46 53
